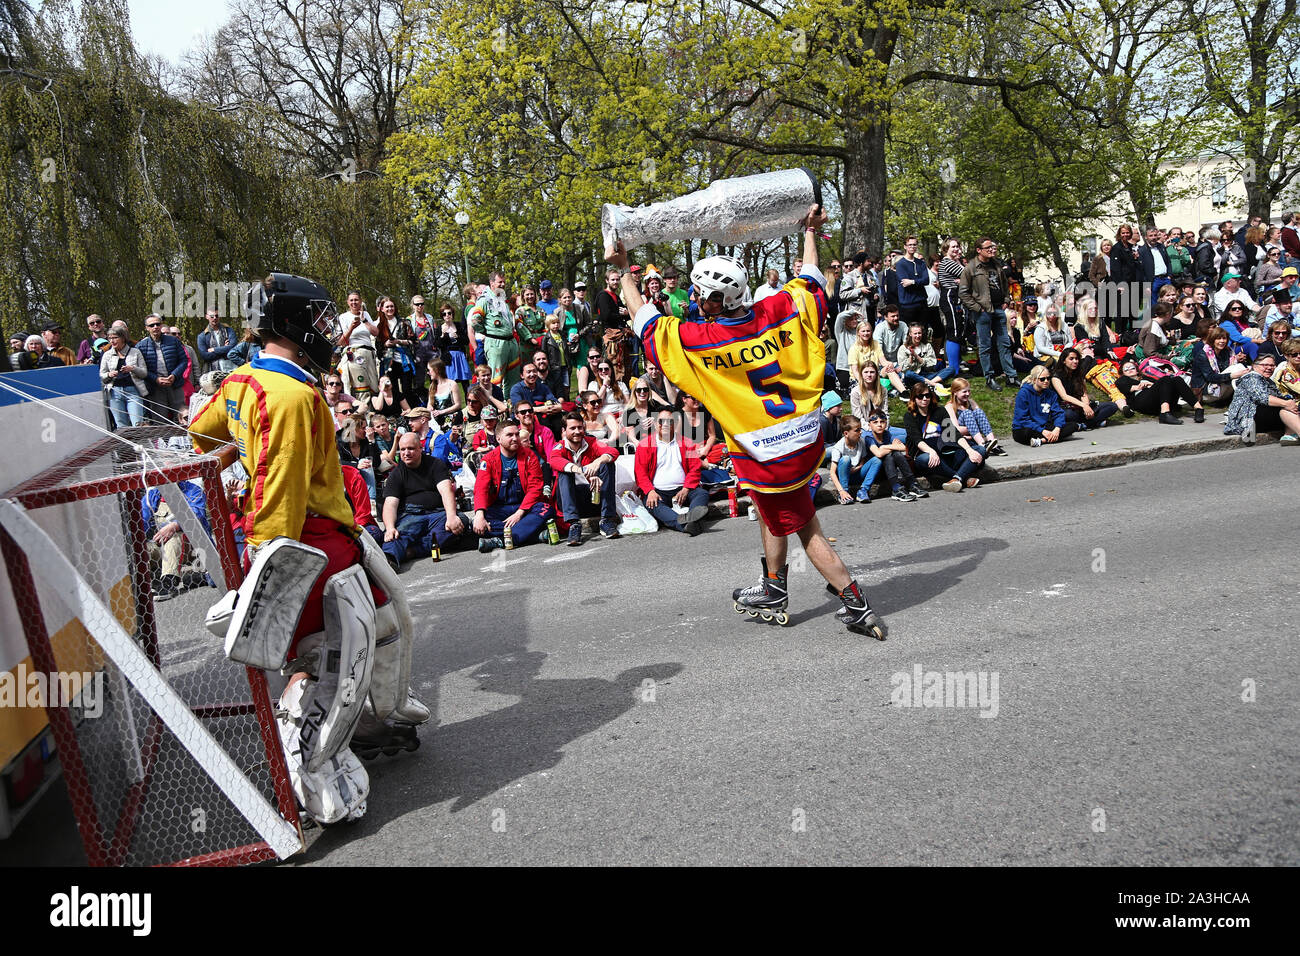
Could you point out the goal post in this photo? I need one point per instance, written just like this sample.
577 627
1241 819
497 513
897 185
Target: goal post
170 752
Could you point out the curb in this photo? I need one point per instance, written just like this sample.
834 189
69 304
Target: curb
1087 461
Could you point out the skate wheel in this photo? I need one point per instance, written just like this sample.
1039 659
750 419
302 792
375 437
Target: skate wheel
783 619
767 618
738 609
754 615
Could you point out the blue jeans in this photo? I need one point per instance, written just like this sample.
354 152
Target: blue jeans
526 528
984 330
953 463
862 477
126 405
575 498
417 532
943 372
669 518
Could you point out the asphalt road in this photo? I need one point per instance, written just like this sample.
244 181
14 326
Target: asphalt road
605 705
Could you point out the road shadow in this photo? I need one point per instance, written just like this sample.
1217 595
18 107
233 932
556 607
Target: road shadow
903 591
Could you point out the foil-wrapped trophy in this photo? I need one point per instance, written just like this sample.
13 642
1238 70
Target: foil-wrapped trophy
729 212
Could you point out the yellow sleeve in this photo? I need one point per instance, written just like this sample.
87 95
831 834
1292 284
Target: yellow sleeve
211 429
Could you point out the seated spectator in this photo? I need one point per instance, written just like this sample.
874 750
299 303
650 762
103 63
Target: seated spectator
533 390
446 398
357 450
419 421
890 334
869 391
866 349
1051 337
638 417
663 393
167 543
832 419
578 455
1093 329
1259 405
419 504
1215 367
358 493
598 425
587 372
555 352
1243 335
1072 390
1156 396
1231 291
919 364
928 427
385 449
700 427
484 440
344 409
1287 376
385 402
538 437
1154 339
508 493
970 418
1181 326
889 447
853 467
1279 332
668 473
1038 416
484 392
612 393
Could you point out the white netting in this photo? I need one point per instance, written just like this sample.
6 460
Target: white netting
114 557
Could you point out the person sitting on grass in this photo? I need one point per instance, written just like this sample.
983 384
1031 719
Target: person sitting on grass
1245 337
970 418
869 391
1154 339
1094 329
1215 368
853 467
1072 390
1038 415
1259 405
928 432
866 350
1156 396
919 364
889 447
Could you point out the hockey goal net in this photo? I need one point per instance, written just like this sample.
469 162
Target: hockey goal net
170 752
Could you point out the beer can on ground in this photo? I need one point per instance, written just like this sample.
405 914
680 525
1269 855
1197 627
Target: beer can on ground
732 508
509 539
552 532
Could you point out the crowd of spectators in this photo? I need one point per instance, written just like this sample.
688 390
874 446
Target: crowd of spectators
501 421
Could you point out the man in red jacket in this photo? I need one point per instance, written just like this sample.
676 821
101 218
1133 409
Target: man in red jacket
508 492
668 473
578 454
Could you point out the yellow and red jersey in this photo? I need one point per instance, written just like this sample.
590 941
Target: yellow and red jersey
760 375
284 433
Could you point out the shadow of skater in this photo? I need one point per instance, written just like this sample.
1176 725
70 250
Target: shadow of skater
902 591
474 758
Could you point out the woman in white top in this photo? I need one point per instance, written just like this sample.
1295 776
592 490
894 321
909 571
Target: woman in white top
869 392
358 341
612 393
1051 337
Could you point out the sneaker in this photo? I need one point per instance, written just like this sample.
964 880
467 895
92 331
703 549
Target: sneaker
575 534
1035 442
608 529
489 544
901 495
942 391
993 385
1168 418
953 485
1128 412
972 482
1289 440
863 497
1198 416
916 491
1012 383
753 512
1248 436
691 522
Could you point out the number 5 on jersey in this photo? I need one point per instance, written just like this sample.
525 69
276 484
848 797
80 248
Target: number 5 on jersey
765 382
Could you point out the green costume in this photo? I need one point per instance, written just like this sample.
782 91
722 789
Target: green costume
491 316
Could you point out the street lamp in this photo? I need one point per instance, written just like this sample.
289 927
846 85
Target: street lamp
462 220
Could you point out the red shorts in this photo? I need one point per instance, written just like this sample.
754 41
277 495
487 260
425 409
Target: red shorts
342 551
784 512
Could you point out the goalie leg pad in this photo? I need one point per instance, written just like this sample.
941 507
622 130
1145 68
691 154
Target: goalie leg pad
259 619
390 684
338 790
340 660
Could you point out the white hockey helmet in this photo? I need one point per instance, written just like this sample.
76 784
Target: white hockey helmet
721 274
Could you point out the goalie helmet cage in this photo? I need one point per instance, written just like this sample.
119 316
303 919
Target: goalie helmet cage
171 754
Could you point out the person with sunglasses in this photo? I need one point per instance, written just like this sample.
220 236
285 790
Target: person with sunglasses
1258 405
1038 415
1279 333
929 430
760 369
597 424
165 361
1243 335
